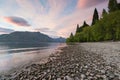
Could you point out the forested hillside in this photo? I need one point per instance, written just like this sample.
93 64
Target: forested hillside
104 28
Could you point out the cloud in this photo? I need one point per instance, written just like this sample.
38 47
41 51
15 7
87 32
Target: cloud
57 6
48 30
52 17
42 29
17 21
88 3
5 30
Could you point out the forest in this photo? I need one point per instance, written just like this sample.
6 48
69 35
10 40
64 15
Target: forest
104 28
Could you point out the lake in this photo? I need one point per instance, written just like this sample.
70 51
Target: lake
13 55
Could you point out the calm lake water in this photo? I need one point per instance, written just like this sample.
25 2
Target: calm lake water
13 55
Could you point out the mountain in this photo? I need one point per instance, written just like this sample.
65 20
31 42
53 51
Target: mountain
29 37
60 39
25 37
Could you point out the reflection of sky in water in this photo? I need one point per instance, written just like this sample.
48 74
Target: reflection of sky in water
5 59
22 45
11 57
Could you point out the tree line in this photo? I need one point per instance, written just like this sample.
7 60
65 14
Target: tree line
104 28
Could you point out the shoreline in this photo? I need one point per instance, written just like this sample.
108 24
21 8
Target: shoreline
36 60
110 51
72 62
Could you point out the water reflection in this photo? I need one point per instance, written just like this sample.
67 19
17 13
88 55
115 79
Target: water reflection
16 54
22 45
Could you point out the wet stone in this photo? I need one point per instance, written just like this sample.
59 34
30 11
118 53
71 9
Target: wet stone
73 63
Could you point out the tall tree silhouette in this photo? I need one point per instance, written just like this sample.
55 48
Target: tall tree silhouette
85 24
104 12
77 30
112 6
95 17
71 37
119 6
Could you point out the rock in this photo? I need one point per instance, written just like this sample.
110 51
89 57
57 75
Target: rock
82 76
68 77
74 63
111 76
58 78
76 78
104 77
102 71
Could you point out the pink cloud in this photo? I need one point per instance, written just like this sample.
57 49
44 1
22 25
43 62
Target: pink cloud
52 21
88 3
16 21
56 6
70 21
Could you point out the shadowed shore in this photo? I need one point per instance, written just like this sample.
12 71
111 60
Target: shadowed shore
74 62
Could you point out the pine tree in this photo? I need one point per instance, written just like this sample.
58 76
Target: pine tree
77 30
85 24
112 6
104 12
95 17
71 37
119 6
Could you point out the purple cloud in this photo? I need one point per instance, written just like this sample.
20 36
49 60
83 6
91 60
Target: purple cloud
42 29
17 21
5 30
45 30
88 3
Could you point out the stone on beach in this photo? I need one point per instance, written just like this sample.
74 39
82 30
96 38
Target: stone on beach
73 63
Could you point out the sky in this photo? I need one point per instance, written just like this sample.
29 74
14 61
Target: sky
52 17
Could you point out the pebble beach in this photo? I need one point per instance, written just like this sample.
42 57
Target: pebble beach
82 61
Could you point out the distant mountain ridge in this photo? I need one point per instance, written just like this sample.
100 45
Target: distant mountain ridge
28 37
60 39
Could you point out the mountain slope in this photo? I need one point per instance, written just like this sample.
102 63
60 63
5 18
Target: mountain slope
25 37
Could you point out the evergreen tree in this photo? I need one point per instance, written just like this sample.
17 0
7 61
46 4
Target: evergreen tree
95 17
85 24
112 6
119 6
71 37
77 30
104 12
107 28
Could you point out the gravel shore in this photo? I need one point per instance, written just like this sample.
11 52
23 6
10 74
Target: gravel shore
74 62
110 51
